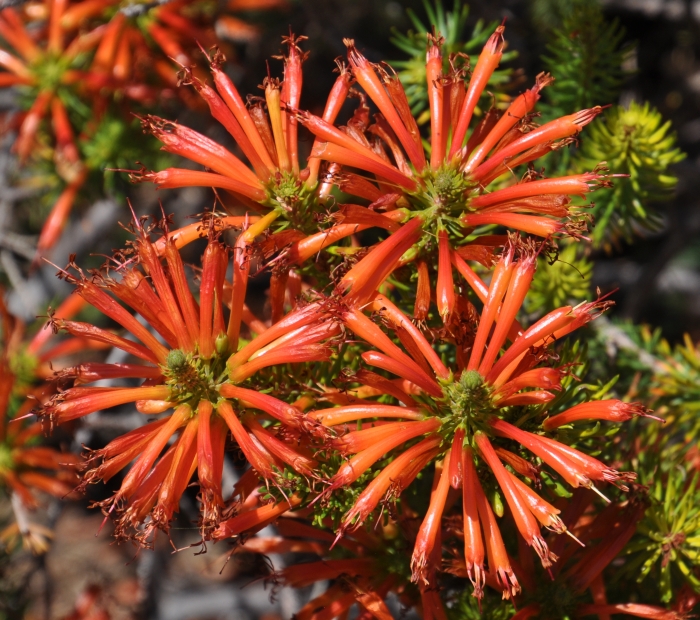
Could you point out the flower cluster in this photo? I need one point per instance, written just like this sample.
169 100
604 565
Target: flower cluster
391 381
196 374
29 470
75 63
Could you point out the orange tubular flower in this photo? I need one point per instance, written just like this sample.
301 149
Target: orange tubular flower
473 543
449 194
47 68
58 52
27 468
170 32
460 416
95 53
188 375
428 540
254 516
611 410
363 568
272 181
522 512
27 67
651 612
578 578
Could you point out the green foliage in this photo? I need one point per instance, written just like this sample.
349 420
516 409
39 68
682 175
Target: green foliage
585 56
678 380
332 507
550 14
116 142
23 366
564 280
667 545
491 607
623 349
452 26
675 389
650 370
637 142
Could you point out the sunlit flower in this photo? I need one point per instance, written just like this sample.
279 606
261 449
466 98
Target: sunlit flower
26 466
74 60
188 363
462 418
459 185
139 43
47 69
273 179
67 70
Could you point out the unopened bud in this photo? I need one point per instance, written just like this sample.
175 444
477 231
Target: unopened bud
497 503
221 344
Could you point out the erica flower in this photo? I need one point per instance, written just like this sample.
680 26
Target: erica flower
611 410
76 61
272 180
579 577
46 70
138 41
185 362
27 468
462 417
447 188
45 67
253 514
71 60
134 44
363 568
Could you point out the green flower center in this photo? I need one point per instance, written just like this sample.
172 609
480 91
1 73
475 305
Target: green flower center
289 194
49 71
191 378
441 200
467 404
443 193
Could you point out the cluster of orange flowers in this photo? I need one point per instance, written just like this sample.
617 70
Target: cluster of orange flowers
377 366
64 57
